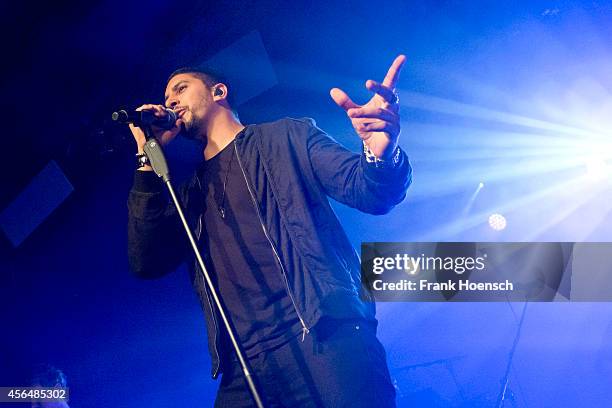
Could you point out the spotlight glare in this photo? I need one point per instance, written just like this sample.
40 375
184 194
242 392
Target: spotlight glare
596 168
497 222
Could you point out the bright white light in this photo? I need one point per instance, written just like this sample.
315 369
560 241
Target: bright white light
497 222
480 185
596 168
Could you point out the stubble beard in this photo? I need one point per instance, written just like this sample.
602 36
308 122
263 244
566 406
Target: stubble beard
192 128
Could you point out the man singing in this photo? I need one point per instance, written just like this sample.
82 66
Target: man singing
284 267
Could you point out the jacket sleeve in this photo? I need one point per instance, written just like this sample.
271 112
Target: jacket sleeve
348 178
156 241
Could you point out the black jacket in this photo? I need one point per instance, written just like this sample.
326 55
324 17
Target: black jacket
290 167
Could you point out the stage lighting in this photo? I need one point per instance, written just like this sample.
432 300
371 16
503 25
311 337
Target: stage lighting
497 222
596 168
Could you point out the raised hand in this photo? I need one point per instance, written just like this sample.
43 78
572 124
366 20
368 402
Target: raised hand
163 136
377 122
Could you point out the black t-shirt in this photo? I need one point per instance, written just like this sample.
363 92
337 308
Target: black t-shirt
241 260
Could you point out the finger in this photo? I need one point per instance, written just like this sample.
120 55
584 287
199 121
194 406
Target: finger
146 106
158 110
134 128
380 126
137 132
393 74
342 99
371 112
387 94
362 125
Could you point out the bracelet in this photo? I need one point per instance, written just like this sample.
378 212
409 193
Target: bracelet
141 160
379 163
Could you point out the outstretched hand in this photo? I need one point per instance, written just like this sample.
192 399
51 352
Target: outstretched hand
377 122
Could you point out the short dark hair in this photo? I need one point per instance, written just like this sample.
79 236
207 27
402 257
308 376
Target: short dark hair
210 77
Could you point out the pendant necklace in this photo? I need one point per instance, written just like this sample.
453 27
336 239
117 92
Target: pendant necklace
221 207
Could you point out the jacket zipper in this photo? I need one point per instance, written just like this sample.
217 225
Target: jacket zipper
212 310
305 329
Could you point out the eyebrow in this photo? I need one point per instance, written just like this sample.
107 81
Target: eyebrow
175 88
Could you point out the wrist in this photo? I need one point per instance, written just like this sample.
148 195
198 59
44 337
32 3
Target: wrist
390 160
390 152
142 162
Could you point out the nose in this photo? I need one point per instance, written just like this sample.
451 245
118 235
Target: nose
172 103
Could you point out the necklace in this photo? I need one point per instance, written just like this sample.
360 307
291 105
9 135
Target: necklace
221 206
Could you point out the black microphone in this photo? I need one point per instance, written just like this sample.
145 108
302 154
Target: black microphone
146 118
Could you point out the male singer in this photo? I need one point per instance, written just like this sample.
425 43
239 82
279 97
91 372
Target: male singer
284 267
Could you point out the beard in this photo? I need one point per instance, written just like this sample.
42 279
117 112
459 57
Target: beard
191 129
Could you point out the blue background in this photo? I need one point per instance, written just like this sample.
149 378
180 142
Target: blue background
515 95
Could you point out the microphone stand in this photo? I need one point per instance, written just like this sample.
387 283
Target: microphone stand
154 153
501 398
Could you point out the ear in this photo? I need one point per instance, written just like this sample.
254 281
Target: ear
219 92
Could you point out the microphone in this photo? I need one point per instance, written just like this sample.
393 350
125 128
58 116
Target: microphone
146 118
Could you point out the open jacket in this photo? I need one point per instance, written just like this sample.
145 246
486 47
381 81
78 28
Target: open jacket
290 167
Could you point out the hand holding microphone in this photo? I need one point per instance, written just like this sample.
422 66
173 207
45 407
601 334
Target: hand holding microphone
142 118
165 124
